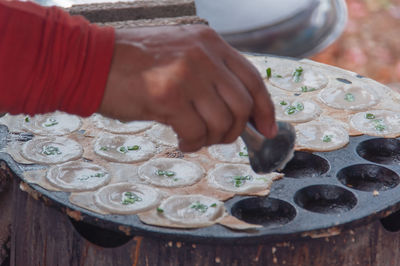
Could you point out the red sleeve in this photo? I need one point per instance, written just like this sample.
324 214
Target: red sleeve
51 61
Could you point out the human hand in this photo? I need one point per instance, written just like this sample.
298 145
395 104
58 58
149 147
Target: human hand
189 78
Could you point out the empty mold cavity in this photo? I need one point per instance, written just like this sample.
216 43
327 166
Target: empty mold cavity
368 177
380 150
305 164
268 212
327 199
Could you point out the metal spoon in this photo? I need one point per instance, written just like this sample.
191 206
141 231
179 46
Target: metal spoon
267 155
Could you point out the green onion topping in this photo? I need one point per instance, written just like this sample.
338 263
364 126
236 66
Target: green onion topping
125 149
369 116
349 97
243 154
283 103
165 173
278 76
160 210
51 122
133 148
291 109
379 124
268 72
238 181
300 107
130 198
199 207
27 119
297 74
51 150
213 205
104 148
86 177
327 138
306 89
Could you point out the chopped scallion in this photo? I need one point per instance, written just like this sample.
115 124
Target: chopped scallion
369 116
297 74
327 138
307 89
268 72
300 107
51 150
349 97
130 198
199 207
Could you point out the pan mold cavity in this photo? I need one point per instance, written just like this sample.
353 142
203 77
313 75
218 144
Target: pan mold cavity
268 212
380 150
368 177
100 236
305 164
326 199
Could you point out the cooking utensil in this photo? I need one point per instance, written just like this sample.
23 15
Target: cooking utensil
267 155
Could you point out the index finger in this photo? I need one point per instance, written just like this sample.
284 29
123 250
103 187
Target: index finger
263 112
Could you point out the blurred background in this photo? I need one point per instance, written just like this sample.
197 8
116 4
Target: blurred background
359 35
370 43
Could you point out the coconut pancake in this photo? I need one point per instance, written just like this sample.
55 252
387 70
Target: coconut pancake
235 152
192 210
51 150
381 123
126 198
170 172
349 96
117 127
240 179
52 124
124 148
77 176
162 134
294 109
320 136
295 76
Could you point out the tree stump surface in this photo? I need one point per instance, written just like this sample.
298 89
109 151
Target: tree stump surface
6 176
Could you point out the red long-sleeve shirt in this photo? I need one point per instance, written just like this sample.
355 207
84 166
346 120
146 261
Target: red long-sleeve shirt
51 61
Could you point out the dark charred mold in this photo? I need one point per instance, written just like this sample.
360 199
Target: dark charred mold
265 211
368 177
325 199
306 164
380 150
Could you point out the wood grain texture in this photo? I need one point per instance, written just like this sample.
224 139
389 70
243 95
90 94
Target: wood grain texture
185 20
44 236
5 210
121 11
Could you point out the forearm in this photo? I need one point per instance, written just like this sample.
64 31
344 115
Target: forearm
51 61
